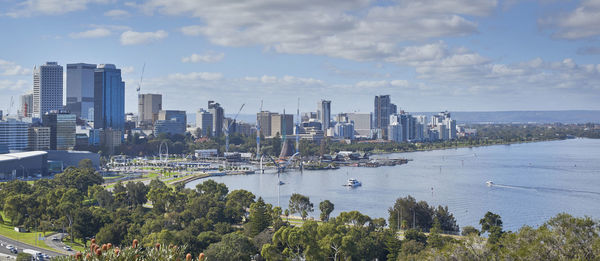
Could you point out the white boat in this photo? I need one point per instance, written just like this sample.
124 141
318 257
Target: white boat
489 183
353 183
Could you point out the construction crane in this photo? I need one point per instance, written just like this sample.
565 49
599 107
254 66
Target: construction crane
258 134
229 126
139 87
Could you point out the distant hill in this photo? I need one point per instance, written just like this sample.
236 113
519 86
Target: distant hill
573 116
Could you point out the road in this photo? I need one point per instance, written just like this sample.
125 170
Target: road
21 246
57 244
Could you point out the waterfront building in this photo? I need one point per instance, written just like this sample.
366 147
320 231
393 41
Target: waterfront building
171 121
282 124
109 98
324 114
13 135
38 138
218 116
204 121
362 123
148 107
344 130
383 108
263 120
80 89
395 132
47 88
62 129
26 106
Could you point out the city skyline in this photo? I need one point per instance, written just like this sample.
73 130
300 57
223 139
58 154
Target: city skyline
454 55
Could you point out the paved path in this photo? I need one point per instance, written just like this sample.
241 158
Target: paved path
21 246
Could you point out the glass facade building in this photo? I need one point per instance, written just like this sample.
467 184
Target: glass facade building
109 98
62 130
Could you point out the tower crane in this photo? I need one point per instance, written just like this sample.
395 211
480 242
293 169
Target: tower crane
139 87
229 126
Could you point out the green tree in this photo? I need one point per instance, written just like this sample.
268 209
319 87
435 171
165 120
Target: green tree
260 217
300 204
492 223
24 257
233 246
469 230
326 208
86 164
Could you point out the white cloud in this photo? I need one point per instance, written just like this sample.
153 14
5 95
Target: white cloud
583 22
206 76
351 29
127 69
93 33
49 7
133 38
116 13
9 68
209 57
8 85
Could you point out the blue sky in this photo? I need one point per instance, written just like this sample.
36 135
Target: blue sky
457 55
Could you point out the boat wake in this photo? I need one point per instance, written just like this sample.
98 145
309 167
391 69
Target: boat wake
545 189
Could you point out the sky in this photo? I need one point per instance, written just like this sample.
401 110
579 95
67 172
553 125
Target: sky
430 55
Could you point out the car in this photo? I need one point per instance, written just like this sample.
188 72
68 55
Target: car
14 251
68 248
55 239
9 246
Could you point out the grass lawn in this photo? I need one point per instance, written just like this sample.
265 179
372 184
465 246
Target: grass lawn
27 238
111 178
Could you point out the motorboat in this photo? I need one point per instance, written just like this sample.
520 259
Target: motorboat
353 183
281 182
489 183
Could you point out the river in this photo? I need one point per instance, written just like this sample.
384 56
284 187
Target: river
533 182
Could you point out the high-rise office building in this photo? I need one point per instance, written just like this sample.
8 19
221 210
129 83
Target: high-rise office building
263 120
382 112
62 129
13 134
324 114
344 130
47 88
80 89
362 123
282 124
204 121
109 98
39 138
148 107
26 105
218 115
395 130
171 121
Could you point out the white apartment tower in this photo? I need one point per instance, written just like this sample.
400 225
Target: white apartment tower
47 88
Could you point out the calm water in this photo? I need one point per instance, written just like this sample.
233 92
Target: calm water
535 182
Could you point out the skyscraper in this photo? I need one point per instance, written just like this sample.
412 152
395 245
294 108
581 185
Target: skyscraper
382 112
148 107
204 121
218 115
27 105
80 89
62 129
362 123
324 114
263 120
39 138
47 88
281 123
109 98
